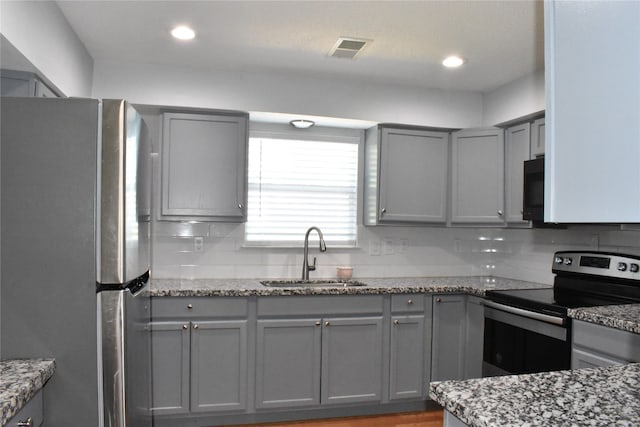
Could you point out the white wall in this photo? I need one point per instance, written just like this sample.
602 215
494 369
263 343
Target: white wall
518 98
286 93
39 30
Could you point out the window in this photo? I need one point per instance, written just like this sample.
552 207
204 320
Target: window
297 183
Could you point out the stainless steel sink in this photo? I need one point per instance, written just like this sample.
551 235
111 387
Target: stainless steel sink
311 283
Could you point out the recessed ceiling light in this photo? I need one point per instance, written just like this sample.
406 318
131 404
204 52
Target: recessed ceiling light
452 61
183 33
302 124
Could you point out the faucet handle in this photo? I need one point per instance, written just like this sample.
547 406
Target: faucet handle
312 267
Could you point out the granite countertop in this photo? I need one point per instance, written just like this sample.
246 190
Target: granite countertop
473 285
625 317
20 380
584 397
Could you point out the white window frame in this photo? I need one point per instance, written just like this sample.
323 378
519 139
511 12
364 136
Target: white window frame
325 134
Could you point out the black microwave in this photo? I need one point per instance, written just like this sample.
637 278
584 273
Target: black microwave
533 193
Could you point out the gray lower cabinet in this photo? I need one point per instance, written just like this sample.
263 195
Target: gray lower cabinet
288 363
309 362
352 360
457 337
595 345
407 370
170 349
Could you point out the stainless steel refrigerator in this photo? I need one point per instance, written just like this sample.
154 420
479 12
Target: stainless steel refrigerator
75 217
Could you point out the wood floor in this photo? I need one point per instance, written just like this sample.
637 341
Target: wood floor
431 418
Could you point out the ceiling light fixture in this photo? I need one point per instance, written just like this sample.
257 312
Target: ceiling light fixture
183 33
302 124
453 61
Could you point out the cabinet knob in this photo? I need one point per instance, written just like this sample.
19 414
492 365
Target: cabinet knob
189 306
396 322
438 299
239 205
26 423
185 327
327 323
383 211
318 323
409 301
500 213
196 326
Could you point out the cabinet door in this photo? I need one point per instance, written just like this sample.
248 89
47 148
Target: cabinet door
474 342
204 166
219 365
407 377
352 360
448 337
592 110
516 152
586 359
537 139
288 363
413 175
170 367
477 194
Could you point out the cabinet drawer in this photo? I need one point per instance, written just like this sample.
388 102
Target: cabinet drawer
181 307
33 409
319 305
609 341
407 303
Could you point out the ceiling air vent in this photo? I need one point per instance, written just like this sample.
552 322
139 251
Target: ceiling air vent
347 47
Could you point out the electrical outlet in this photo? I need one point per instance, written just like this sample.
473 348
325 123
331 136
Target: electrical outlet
387 247
198 244
374 247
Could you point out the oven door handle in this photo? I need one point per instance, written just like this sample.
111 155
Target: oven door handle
526 313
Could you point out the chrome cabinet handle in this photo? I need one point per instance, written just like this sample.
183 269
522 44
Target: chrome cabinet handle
185 327
189 306
318 323
26 423
500 213
438 299
396 322
239 205
383 211
409 302
196 326
327 323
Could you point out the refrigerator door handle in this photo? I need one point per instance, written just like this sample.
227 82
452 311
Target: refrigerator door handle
133 286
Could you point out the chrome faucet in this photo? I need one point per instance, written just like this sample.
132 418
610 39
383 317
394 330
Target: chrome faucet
306 267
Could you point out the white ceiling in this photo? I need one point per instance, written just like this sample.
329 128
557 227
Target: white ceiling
501 40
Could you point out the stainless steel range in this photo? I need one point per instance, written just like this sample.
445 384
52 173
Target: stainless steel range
529 331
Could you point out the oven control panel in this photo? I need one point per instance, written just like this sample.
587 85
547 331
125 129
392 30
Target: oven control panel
598 263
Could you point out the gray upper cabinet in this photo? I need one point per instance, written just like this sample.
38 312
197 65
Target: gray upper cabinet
406 173
24 84
517 141
592 111
477 166
537 138
204 166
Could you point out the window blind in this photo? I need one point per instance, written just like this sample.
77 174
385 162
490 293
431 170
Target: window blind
296 184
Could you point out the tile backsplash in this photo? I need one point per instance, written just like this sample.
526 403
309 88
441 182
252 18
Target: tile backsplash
216 250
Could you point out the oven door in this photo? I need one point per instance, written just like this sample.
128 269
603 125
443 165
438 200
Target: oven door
523 343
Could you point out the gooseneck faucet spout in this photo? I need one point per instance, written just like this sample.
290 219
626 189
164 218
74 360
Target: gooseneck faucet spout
306 267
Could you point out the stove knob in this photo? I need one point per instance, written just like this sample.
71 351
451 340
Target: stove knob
568 261
622 266
634 268
558 260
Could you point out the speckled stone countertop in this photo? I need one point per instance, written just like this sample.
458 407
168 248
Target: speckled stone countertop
584 397
473 285
624 317
20 380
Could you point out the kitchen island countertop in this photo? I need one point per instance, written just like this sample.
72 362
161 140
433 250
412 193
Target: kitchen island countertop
20 380
473 285
583 397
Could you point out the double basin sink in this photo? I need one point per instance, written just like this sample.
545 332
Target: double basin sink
311 283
